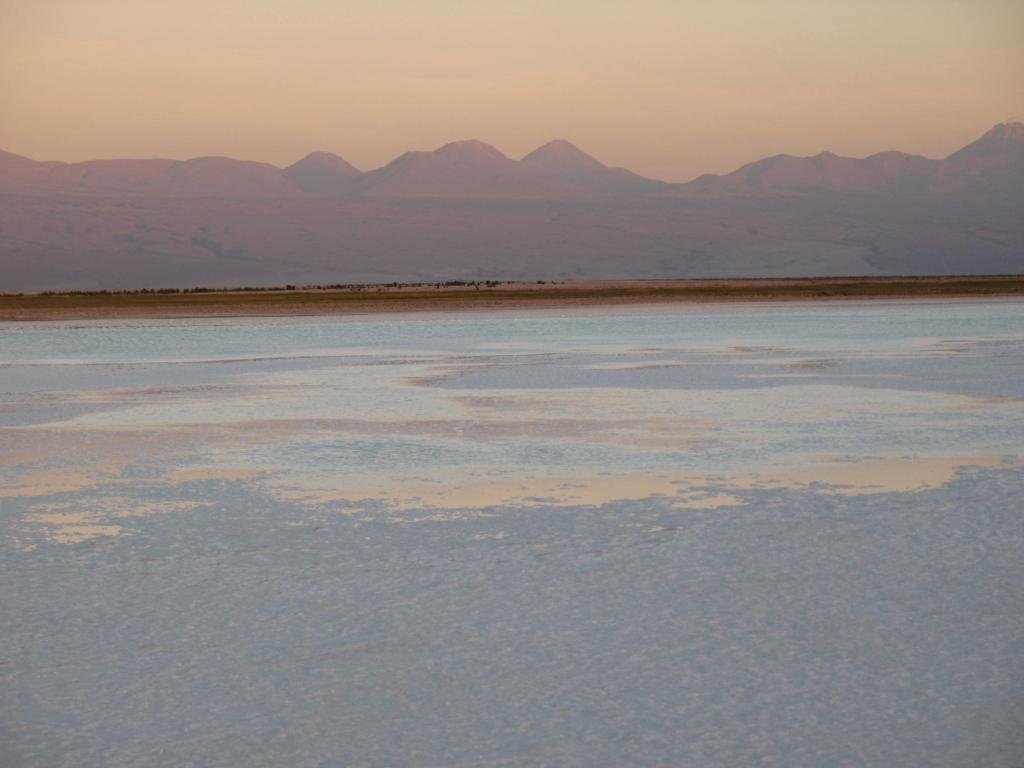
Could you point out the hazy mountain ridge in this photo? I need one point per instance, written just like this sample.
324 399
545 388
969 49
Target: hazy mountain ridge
322 172
467 211
825 171
557 170
562 161
467 169
464 169
994 163
199 177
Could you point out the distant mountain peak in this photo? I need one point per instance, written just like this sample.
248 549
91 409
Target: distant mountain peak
326 160
466 169
11 160
321 172
470 149
9 155
1006 132
1000 140
563 162
561 144
561 155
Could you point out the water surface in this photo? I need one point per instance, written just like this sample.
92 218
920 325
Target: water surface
719 535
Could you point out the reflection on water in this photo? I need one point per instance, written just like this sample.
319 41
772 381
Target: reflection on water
480 410
188 444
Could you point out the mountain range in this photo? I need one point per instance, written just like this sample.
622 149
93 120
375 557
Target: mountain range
557 170
468 210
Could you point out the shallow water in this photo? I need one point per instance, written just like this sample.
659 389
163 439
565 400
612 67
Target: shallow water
715 535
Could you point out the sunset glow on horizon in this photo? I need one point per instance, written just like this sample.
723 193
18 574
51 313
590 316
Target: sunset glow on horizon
669 89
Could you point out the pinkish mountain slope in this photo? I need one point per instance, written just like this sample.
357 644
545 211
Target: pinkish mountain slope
108 177
562 158
91 241
224 177
199 177
825 171
462 169
1004 142
561 161
19 174
992 164
322 173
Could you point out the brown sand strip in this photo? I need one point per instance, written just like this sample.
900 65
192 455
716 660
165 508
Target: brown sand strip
372 298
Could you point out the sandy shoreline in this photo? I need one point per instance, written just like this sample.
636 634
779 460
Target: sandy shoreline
420 298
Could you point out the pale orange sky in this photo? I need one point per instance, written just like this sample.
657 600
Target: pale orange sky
668 88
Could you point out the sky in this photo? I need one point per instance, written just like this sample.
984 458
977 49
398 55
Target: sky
668 88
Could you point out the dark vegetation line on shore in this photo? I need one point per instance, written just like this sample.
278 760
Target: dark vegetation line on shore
272 289
591 285
651 285
492 293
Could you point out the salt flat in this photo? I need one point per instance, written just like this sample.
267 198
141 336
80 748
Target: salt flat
647 535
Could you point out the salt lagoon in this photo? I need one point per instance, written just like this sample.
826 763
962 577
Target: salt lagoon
670 535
